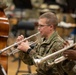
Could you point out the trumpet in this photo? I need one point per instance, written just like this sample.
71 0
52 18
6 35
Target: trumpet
16 50
16 43
60 59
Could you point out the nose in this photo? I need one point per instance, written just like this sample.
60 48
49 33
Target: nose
38 28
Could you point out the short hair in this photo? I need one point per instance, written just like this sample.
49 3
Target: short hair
51 18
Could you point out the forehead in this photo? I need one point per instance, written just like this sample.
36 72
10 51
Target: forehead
42 21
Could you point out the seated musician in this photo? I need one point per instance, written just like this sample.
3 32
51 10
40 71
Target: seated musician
49 43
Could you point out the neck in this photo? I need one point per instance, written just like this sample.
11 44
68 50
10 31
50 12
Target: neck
50 34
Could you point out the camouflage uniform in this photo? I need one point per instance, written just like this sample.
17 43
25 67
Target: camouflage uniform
42 49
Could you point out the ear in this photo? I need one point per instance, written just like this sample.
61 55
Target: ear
51 26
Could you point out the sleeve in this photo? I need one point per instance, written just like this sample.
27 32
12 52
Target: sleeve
25 58
57 45
28 58
47 64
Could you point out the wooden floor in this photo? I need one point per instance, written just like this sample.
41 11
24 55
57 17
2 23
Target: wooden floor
13 67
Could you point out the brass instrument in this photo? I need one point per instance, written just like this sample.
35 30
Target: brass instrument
16 50
43 59
16 43
60 59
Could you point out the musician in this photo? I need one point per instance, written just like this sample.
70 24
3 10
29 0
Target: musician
49 43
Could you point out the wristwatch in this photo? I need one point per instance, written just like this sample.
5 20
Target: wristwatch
28 51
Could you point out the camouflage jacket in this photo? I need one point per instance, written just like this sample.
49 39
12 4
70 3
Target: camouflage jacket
44 48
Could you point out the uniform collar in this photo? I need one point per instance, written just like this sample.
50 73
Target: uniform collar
51 38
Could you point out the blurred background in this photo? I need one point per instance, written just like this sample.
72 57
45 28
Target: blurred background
23 16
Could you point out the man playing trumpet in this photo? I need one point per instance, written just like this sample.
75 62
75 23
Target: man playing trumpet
49 43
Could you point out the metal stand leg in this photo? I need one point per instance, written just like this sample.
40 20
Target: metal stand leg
18 69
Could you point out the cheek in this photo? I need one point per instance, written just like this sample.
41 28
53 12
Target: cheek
40 29
47 30
44 32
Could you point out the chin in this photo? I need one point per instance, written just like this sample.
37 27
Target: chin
42 35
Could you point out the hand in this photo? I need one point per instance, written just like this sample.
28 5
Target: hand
70 54
21 37
24 46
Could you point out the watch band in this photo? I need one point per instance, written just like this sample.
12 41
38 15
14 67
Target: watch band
28 51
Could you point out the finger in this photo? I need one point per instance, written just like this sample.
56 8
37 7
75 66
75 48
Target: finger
19 47
20 38
65 54
74 47
27 41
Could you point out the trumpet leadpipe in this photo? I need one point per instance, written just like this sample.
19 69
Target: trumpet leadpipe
16 50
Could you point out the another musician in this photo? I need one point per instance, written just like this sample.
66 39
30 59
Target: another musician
49 43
